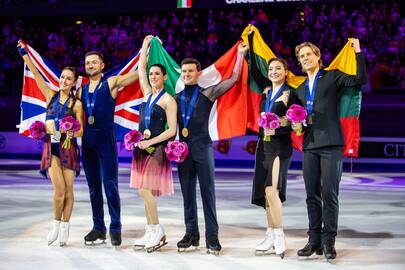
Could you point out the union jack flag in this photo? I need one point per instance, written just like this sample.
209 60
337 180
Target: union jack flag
33 102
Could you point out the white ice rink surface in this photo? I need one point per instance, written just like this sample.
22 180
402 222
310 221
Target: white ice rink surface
371 226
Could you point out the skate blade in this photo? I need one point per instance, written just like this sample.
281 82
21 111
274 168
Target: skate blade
62 244
116 248
98 242
264 252
138 247
153 249
189 249
213 252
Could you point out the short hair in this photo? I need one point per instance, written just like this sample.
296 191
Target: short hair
313 47
74 71
191 61
99 54
281 60
162 68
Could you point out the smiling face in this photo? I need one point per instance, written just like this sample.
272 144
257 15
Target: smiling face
190 74
308 58
94 65
156 77
277 72
67 80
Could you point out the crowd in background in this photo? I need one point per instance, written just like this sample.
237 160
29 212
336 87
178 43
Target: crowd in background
207 34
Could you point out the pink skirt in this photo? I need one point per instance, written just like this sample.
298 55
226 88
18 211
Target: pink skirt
152 172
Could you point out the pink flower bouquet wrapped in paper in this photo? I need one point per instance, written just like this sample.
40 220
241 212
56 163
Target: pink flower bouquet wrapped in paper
176 151
38 130
68 123
131 139
296 114
267 121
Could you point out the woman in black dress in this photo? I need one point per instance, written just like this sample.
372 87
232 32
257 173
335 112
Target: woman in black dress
273 157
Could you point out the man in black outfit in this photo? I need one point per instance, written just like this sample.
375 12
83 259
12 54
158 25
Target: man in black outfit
194 106
323 144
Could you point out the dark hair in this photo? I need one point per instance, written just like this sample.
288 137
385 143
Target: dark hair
191 61
74 71
281 60
99 54
162 68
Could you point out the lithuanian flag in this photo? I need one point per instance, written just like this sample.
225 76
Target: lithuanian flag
350 101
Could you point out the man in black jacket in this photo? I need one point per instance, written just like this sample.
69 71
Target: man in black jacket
323 144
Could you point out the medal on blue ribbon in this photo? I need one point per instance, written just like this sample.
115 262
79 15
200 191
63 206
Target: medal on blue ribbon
57 116
310 96
148 109
270 101
186 116
90 104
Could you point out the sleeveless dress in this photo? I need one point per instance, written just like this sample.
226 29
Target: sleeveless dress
69 158
280 145
152 171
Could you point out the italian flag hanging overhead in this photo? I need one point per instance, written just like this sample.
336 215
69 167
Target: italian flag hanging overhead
184 3
229 112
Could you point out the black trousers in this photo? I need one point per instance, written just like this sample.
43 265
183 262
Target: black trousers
199 162
322 169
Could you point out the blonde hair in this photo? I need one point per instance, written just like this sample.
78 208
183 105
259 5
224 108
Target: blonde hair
314 49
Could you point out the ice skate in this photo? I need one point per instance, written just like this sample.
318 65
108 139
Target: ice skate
94 238
157 239
188 243
280 245
64 233
212 244
267 245
141 242
53 234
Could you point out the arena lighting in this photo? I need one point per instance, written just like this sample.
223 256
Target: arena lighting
79 22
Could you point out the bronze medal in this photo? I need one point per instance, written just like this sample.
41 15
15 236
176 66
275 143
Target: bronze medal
184 132
147 134
309 120
90 120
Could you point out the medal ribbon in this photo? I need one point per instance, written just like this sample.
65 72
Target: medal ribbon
270 101
310 96
149 106
57 116
183 99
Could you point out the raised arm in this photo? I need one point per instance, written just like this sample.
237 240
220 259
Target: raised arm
115 83
213 92
143 61
45 89
345 80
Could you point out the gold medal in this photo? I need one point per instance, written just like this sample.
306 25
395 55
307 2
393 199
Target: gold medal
90 120
309 120
184 132
147 134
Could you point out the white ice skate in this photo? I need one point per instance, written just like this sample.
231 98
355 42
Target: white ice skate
53 234
267 245
157 239
141 242
280 245
64 233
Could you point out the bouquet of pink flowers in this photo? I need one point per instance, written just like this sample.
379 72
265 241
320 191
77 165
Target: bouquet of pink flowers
38 130
68 123
268 120
131 139
176 151
296 114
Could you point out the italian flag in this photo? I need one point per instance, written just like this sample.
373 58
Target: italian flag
350 101
184 3
229 113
